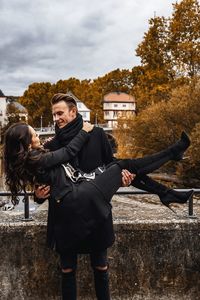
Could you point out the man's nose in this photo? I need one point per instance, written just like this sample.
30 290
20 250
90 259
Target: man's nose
55 118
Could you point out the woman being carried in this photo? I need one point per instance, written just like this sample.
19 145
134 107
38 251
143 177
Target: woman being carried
26 162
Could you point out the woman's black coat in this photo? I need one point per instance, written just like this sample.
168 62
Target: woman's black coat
86 234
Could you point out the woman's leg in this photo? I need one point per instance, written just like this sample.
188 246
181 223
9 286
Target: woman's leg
68 265
150 163
109 182
146 183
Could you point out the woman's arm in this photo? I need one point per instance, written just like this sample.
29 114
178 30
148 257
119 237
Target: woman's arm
64 154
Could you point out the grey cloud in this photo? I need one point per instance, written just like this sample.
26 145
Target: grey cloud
95 22
23 49
51 40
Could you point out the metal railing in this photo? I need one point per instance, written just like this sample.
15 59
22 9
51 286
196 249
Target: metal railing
121 191
26 203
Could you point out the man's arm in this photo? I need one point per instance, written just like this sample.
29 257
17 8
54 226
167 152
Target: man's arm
127 177
41 193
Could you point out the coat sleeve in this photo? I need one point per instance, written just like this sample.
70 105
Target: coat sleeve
64 154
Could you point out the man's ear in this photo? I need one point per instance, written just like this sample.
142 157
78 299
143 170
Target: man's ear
74 111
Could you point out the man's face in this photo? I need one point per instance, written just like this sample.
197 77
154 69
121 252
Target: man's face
62 115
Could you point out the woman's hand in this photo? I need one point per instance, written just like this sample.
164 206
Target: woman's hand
87 126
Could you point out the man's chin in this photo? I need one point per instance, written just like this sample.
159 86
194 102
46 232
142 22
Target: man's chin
61 125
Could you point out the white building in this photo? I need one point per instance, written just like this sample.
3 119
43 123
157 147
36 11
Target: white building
82 108
117 104
8 108
3 106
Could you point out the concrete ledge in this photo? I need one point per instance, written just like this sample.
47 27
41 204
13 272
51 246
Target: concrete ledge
152 258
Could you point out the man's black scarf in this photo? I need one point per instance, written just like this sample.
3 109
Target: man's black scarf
67 133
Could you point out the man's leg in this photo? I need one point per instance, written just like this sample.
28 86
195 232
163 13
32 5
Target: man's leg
101 280
68 265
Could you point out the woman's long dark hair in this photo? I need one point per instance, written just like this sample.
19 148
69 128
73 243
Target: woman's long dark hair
17 141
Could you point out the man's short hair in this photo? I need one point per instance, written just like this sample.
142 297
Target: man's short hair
69 100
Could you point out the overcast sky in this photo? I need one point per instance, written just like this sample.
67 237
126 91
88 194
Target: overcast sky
46 40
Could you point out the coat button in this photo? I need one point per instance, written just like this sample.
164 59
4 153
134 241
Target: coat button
58 200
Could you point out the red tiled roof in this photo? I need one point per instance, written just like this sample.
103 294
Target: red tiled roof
118 97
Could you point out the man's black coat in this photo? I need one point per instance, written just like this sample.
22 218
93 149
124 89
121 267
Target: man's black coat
95 152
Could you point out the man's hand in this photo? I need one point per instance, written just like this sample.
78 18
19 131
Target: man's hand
127 177
42 191
49 139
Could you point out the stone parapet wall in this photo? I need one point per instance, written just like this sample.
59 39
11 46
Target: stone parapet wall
151 259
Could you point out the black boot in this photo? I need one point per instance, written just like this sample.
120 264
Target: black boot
166 195
180 147
69 286
101 281
176 197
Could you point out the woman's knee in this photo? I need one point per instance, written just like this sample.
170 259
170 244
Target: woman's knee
68 270
101 268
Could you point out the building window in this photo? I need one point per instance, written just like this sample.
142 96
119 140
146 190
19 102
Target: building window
115 105
124 105
115 113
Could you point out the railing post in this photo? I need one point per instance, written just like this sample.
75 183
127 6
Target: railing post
26 208
190 209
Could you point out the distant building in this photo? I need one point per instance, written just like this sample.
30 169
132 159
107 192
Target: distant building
3 105
82 108
9 107
118 104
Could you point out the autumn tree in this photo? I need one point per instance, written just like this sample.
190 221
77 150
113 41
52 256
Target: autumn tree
184 38
155 74
159 125
189 169
36 99
124 138
169 53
